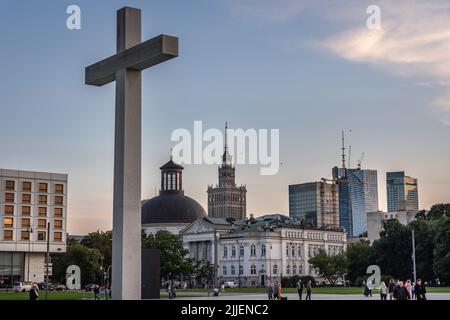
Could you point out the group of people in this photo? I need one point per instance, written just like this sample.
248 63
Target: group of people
98 290
274 291
301 286
399 290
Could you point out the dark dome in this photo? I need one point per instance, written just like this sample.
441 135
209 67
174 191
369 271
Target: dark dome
171 208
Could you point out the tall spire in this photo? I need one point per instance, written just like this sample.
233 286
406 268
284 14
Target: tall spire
226 158
343 150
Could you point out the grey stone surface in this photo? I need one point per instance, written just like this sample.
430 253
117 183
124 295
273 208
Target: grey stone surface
125 68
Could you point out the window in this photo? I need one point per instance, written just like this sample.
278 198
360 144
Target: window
42 199
10 185
57 224
43 187
7 235
233 270
58 212
275 269
253 250
300 269
233 251
288 269
293 250
294 269
42 223
42 236
42 211
58 200
25 223
24 235
299 253
9 197
8 222
241 270
241 251
26 210
26 198
57 236
225 252
9 210
287 250
59 188
253 269
263 250
26 186
224 270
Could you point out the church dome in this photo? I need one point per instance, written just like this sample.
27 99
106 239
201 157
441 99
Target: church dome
171 206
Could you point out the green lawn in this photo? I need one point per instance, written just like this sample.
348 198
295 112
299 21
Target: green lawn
69 295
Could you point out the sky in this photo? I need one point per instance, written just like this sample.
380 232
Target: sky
307 68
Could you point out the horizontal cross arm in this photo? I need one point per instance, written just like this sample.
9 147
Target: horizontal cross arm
139 57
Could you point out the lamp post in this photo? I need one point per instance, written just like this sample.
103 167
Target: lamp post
414 255
47 260
30 231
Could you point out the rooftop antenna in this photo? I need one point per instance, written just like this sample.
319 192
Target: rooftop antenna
349 156
171 155
343 150
226 136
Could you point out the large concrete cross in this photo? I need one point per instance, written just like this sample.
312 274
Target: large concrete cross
125 68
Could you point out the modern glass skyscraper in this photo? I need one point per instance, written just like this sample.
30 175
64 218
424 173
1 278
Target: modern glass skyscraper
358 195
402 192
316 203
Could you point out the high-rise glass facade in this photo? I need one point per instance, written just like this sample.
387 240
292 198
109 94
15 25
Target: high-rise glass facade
358 195
402 192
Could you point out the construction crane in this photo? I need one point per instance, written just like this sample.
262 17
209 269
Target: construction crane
360 161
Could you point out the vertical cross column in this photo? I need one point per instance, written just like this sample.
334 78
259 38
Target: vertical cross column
126 256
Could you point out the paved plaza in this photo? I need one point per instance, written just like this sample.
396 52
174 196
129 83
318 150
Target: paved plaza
293 296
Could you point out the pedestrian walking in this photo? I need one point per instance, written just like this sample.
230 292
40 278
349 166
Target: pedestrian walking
391 289
270 291
408 287
34 292
308 290
420 290
383 291
300 287
275 291
402 293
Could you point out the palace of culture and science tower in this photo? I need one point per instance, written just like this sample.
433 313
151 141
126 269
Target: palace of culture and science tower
227 200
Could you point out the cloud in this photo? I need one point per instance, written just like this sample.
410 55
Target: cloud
414 40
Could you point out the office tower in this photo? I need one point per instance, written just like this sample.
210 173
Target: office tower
402 192
316 203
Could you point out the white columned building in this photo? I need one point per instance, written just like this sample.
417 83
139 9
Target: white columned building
260 250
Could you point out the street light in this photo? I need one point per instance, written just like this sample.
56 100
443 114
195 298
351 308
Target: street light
30 231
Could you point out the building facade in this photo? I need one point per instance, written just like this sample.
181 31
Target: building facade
315 203
258 251
358 195
30 202
375 221
402 192
227 200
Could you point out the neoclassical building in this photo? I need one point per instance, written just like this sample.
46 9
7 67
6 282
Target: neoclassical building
172 210
227 200
264 249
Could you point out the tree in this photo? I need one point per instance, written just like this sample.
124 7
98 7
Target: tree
393 251
330 267
86 258
439 210
359 257
173 257
102 241
441 252
205 272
